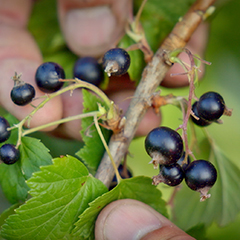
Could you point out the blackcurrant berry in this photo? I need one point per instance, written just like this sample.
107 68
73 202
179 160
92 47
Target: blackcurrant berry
171 175
88 69
9 154
116 62
210 106
47 77
200 175
22 93
200 122
124 173
164 145
4 133
181 159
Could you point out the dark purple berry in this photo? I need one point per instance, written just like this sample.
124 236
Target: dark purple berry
180 161
124 173
47 77
22 93
116 62
9 154
200 175
88 69
200 122
210 106
164 145
171 175
4 133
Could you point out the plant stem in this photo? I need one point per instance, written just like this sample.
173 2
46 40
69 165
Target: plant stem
107 149
137 18
77 84
63 120
191 75
152 76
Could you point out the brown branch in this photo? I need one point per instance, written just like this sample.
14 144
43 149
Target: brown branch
152 76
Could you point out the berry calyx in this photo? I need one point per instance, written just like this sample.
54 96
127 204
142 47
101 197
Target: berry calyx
200 121
201 175
4 133
9 154
88 69
172 175
210 106
47 77
164 145
116 62
22 93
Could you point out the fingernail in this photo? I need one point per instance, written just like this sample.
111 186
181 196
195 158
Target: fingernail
129 222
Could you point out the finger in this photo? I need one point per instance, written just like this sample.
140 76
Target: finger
196 45
131 219
150 120
19 53
92 27
72 105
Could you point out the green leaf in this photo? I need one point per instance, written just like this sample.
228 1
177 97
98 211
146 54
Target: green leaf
33 155
12 177
198 232
223 205
159 17
91 154
13 182
6 214
11 210
60 193
139 188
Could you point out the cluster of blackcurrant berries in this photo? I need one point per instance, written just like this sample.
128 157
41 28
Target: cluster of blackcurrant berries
9 154
209 108
115 62
165 147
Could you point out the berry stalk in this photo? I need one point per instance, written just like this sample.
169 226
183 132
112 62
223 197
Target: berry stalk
48 97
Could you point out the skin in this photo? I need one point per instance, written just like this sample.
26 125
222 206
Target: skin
131 219
19 53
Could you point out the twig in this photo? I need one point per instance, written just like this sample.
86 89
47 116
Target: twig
152 76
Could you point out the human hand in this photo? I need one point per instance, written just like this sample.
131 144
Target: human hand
19 53
130 219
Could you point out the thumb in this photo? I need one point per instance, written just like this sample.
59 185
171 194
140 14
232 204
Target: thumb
130 219
92 27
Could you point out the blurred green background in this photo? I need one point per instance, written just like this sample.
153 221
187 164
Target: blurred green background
222 76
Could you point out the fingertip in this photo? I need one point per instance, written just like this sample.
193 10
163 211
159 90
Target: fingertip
92 27
150 121
132 219
125 219
72 105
